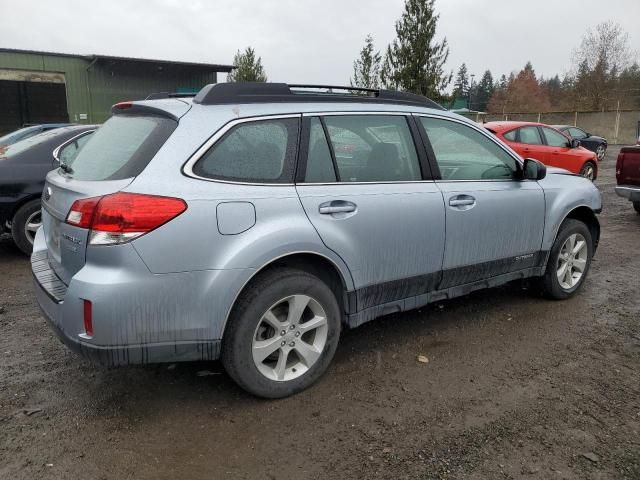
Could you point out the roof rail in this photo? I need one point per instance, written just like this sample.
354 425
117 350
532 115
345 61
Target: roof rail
259 92
161 95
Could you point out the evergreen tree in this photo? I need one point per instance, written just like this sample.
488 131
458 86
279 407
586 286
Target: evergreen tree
461 84
483 92
414 61
248 67
366 69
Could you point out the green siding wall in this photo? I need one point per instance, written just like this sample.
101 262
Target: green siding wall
93 87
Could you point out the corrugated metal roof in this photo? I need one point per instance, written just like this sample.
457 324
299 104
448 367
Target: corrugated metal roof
96 57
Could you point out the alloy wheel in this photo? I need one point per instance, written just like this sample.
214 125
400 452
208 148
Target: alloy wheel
31 226
600 152
589 172
290 338
572 261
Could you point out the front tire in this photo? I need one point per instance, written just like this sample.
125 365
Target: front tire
24 225
282 333
601 151
569 260
589 171
636 205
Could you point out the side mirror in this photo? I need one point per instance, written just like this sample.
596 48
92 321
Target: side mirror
574 143
533 169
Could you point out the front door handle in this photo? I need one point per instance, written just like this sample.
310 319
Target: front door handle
337 206
462 202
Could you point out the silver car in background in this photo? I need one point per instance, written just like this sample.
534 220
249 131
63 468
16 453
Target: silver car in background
255 221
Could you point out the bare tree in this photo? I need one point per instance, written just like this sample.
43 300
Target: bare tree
602 55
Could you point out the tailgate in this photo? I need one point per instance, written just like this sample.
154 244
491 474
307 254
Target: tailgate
66 243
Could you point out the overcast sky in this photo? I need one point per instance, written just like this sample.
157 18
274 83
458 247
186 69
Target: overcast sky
310 41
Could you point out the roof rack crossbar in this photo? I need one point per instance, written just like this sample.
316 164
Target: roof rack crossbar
259 92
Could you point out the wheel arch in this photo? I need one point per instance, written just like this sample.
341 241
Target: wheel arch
338 279
21 203
587 216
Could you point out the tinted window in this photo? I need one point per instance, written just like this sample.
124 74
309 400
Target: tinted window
530 135
555 139
121 148
463 153
373 148
319 163
68 153
511 136
260 151
577 133
32 141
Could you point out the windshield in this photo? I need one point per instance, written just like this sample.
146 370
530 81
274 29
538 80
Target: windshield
121 148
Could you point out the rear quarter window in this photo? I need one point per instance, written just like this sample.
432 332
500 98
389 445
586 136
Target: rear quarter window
260 151
511 136
121 148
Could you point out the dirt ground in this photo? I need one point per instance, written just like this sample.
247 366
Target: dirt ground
516 387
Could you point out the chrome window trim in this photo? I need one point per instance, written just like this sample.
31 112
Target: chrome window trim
488 135
56 151
187 168
355 112
365 183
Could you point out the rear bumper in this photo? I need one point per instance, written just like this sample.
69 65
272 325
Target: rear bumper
120 355
629 192
138 317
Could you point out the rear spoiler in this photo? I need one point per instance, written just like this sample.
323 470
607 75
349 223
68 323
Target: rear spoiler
136 108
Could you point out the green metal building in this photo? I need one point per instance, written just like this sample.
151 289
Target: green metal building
45 87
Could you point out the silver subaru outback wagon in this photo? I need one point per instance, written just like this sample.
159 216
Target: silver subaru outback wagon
253 222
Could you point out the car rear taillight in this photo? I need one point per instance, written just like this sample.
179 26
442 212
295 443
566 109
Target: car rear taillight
121 217
619 164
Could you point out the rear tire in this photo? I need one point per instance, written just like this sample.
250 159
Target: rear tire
273 319
589 171
636 205
24 225
569 260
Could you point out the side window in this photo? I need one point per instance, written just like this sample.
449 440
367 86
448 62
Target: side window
555 139
319 162
68 153
530 135
463 153
258 151
373 148
511 136
577 133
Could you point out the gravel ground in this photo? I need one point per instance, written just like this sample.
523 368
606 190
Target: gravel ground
516 387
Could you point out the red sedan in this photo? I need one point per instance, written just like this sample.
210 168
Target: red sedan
546 144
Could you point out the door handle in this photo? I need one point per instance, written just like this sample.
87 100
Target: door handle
462 201
336 206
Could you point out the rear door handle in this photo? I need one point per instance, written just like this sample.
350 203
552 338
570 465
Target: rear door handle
337 206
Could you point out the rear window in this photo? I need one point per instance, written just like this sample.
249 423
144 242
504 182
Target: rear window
32 141
121 148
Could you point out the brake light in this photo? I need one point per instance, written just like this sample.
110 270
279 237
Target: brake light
121 217
123 105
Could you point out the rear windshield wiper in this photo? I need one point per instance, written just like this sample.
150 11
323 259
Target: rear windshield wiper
66 168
